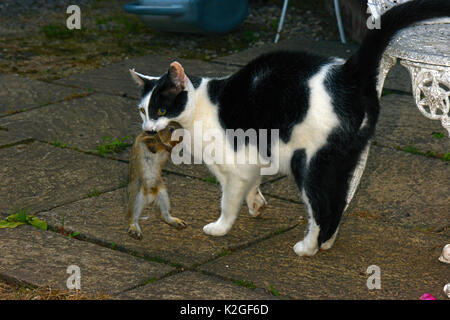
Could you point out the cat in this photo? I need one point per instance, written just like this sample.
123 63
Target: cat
145 185
325 109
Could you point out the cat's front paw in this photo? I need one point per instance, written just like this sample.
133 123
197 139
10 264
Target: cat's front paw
135 232
215 229
305 248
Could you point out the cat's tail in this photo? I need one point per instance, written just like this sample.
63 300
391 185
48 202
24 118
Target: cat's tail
363 66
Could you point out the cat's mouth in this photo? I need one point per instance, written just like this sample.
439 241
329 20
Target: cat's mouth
151 133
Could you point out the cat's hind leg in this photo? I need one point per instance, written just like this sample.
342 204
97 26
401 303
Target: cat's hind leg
325 189
234 190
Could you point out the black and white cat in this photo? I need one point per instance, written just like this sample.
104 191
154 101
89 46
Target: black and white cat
325 110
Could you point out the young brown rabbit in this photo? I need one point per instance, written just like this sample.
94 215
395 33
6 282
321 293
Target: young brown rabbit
145 184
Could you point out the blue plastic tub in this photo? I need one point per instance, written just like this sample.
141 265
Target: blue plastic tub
195 16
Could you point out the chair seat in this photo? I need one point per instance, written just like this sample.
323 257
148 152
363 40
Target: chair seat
427 44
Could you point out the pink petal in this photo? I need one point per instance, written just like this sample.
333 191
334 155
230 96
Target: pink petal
427 296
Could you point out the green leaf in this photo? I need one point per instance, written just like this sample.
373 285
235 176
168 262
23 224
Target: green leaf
38 223
10 224
74 234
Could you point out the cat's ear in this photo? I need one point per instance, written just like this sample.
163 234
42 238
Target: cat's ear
177 76
142 80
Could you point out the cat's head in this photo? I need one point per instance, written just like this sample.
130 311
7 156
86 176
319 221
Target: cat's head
164 99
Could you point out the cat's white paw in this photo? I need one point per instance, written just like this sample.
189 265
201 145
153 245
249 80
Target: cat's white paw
215 229
305 248
259 204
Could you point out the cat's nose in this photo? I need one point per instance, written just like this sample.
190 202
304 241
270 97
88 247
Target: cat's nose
150 133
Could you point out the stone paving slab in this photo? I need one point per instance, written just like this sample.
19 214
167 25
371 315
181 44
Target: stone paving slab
397 186
81 123
193 286
404 188
115 79
39 176
408 263
397 79
17 94
284 188
327 48
7 139
402 124
197 202
41 258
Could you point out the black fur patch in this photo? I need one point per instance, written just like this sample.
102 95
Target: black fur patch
165 96
271 92
196 81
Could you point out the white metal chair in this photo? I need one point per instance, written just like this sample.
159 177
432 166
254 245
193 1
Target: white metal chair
424 50
338 17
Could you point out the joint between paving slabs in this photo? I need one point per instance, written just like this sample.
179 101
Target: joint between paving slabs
178 266
444 157
24 141
244 283
58 144
93 91
45 104
242 246
153 280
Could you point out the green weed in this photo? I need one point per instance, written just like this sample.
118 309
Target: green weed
93 193
58 31
113 145
246 284
21 217
274 291
438 135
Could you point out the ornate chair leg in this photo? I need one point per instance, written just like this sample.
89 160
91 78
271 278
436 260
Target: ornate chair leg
387 62
431 90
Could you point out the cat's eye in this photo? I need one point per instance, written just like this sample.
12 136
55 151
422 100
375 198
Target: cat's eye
142 110
162 111
171 129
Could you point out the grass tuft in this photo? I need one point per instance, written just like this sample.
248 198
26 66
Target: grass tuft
113 145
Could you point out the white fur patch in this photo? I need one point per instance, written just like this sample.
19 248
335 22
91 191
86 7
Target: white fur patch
309 245
312 133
